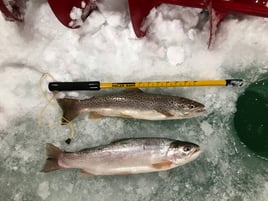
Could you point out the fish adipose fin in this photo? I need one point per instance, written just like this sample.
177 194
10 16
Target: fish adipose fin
70 109
53 154
162 165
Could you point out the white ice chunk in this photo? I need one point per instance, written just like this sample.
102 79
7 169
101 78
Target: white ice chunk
192 34
43 190
83 4
76 13
76 16
175 55
115 19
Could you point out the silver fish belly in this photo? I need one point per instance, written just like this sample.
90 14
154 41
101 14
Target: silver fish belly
126 156
132 104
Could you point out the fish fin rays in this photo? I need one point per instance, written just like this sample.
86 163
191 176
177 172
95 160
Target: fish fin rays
53 154
162 165
68 116
124 173
86 173
53 151
70 109
164 112
125 115
95 115
50 165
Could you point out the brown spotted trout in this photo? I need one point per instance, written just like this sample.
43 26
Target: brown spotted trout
125 156
132 104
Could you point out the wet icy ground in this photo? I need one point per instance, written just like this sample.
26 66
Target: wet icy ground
106 49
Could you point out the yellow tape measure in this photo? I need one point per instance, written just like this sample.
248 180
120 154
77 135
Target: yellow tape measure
106 85
96 85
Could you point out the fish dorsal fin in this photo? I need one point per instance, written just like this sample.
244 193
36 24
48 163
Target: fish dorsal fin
133 90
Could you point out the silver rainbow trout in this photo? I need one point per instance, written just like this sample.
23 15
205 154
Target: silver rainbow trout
132 104
125 156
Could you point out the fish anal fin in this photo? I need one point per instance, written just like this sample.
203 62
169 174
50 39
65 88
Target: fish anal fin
165 112
95 115
124 173
162 165
86 173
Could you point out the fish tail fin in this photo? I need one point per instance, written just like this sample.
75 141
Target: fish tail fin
70 108
53 154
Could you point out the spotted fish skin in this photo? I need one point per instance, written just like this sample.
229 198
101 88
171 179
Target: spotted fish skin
132 104
125 156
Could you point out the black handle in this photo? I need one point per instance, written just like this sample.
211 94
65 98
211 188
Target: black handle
74 86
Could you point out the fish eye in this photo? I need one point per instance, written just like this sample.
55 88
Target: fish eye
187 148
192 106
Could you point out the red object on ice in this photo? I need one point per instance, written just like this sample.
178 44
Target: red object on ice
13 10
218 9
139 9
62 10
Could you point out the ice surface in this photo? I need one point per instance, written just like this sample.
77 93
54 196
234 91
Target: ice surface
106 49
43 190
175 55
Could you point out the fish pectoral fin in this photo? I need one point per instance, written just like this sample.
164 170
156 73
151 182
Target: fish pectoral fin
95 115
125 115
85 173
162 165
165 112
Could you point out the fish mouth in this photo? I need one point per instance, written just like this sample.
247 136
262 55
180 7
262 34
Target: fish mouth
202 109
194 112
196 152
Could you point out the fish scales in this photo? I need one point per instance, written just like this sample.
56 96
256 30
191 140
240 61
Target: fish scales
135 104
134 100
142 149
126 156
